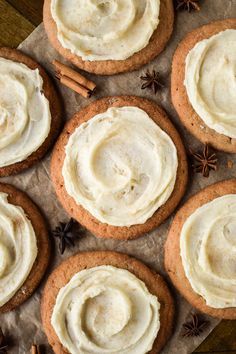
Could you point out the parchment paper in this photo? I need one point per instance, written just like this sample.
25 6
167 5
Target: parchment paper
23 326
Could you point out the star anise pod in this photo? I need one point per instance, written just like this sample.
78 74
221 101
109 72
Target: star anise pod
67 232
205 162
194 327
152 81
188 5
3 346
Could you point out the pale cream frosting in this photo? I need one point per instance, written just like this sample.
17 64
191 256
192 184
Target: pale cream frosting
18 248
25 116
120 166
106 310
105 29
210 80
208 251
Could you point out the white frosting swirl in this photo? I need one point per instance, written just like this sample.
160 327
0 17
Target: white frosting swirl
120 166
105 29
210 80
106 310
208 251
18 248
25 116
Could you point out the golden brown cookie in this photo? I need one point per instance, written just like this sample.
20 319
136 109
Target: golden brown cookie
55 108
82 215
84 260
157 43
19 198
180 100
173 261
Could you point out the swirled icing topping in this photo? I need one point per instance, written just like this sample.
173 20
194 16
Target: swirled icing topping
210 80
208 251
25 116
105 29
106 310
120 166
18 248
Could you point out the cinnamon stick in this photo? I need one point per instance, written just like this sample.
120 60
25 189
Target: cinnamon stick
65 70
35 349
68 82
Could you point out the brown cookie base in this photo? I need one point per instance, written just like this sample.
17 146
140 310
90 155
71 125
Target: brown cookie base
173 261
180 100
16 197
157 43
84 260
55 108
82 215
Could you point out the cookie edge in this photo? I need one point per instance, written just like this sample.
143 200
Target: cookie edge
55 108
119 260
20 198
187 115
111 67
172 258
82 215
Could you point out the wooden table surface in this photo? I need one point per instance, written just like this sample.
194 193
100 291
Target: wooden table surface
18 18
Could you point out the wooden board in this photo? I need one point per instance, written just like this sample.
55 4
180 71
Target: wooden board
222 339
18 18
14 27
30 9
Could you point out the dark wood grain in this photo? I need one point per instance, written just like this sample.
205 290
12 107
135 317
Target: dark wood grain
31 9
18 18
222 339
14 27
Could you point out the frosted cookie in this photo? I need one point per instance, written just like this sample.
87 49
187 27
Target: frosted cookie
203 84
200 250
105 302
108 37
119 167
24 247
30 112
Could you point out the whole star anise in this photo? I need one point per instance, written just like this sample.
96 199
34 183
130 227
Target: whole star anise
194 327
152 81
204 162
188 5
67 232
3 346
